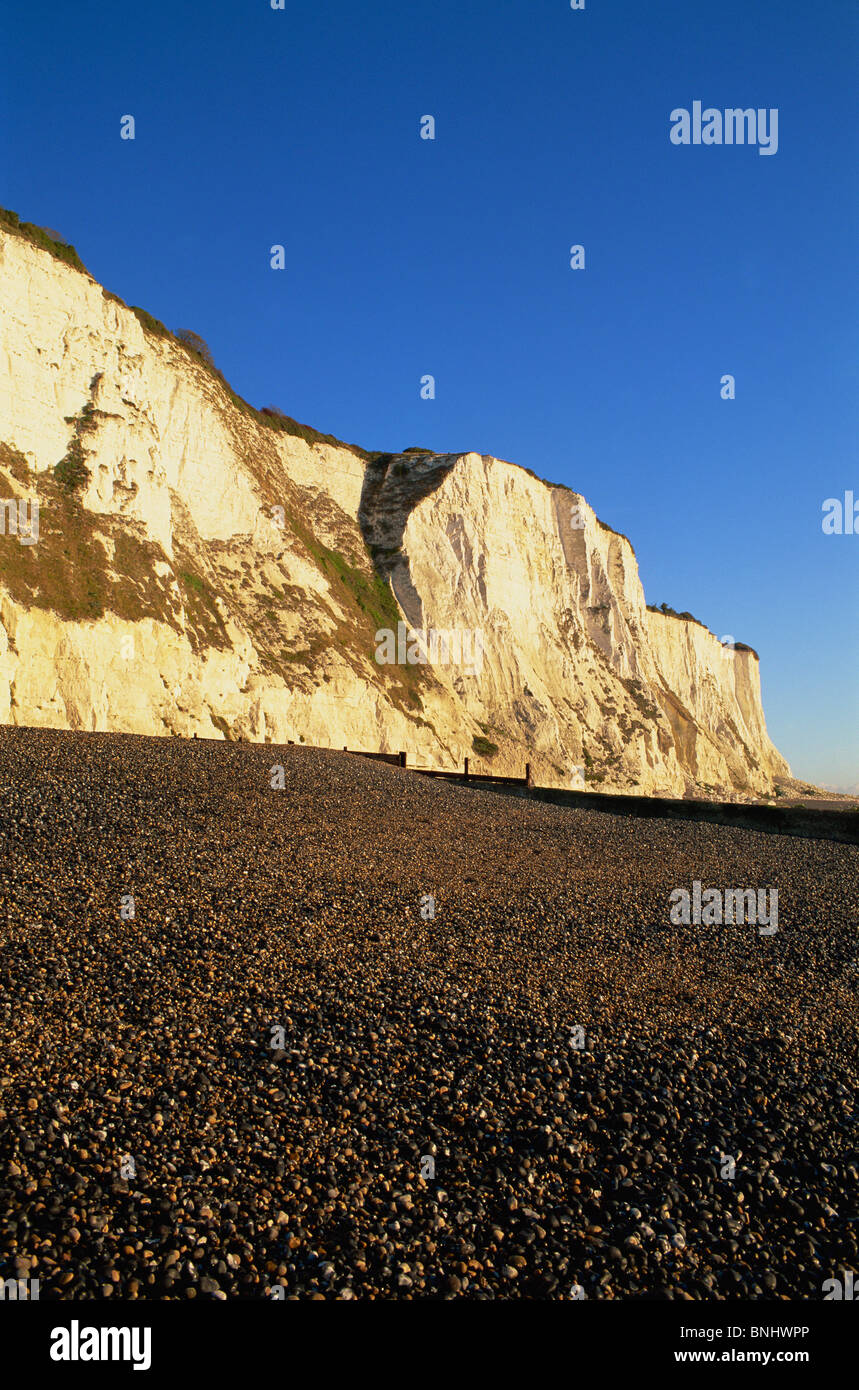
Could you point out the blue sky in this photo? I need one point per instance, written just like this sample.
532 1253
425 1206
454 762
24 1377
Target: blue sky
451 257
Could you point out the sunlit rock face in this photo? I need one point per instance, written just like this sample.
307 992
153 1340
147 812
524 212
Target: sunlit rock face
225 574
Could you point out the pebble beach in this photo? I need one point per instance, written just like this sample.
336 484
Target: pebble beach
369 1036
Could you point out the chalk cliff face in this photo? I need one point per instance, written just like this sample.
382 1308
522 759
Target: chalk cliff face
225 573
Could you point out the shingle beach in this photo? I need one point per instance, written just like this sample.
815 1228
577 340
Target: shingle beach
371 1036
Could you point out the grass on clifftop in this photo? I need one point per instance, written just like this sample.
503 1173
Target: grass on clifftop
668 612
41 237
269 417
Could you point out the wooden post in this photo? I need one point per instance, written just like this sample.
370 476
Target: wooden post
528 783
345 749
466 769
402 760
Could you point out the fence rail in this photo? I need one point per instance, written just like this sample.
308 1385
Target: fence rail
809 823
466 775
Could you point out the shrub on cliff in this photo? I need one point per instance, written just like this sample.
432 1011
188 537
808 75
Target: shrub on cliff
191 340
72 471
149 321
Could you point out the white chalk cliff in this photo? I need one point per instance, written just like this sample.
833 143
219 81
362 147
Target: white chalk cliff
224 573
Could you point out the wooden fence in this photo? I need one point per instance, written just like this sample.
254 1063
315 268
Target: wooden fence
806 822
466 775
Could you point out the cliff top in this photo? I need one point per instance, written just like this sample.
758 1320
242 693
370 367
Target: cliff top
272 417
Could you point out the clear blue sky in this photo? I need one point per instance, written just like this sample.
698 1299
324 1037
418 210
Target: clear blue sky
404 257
